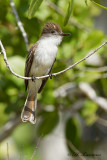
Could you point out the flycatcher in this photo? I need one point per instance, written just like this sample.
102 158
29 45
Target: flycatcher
40 61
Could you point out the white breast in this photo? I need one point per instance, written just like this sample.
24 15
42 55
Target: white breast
46 51
45 55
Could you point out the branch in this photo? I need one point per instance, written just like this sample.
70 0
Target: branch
19 23
90 93
53 74
7 129
70 89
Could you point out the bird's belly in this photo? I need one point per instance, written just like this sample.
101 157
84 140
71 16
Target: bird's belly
43 61
39 69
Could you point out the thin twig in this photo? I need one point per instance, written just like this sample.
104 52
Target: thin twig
22 152
71 20
19 23
76 150
7 152
53 74
35 149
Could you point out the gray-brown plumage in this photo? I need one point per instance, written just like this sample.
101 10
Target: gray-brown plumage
40 61
28 65
51 27
29 62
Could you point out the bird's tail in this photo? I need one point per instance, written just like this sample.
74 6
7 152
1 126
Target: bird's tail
28 112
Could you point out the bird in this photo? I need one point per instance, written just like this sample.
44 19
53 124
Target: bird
40 60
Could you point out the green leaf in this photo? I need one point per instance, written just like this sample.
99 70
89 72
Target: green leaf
89 111
89 108
69 11
97 2
86 2
73 132
50 120
34 5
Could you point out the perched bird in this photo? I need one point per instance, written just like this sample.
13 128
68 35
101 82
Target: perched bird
40 61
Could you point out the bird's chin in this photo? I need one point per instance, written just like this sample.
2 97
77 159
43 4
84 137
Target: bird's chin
55 39
58 39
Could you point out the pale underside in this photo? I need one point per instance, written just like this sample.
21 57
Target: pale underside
40 61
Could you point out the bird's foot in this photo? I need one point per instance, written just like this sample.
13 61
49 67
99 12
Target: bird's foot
33 78
50 75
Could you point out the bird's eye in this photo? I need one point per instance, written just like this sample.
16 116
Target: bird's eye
52 31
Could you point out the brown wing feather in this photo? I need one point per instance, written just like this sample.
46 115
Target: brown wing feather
29 61
45 80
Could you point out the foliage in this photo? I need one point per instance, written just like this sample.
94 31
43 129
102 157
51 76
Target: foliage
72 49
70 7
34 7
99 3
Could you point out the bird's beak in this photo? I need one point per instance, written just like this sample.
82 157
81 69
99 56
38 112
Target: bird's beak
65 34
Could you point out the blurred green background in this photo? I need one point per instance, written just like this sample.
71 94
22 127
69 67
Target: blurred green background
67 115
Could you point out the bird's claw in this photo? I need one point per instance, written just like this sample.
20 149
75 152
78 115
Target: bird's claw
33 79
50 75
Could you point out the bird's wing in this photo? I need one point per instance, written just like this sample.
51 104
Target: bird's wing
45 80
29 62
